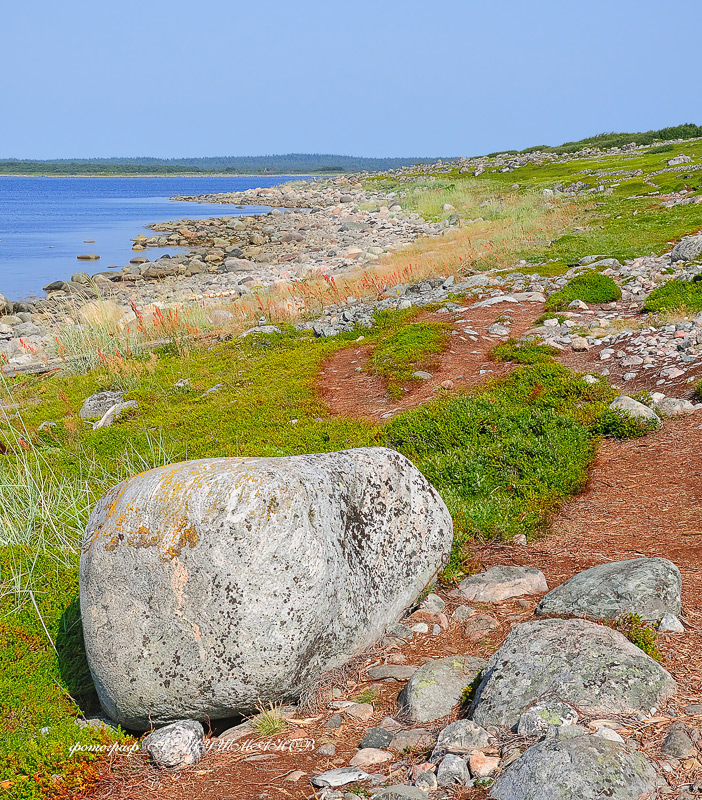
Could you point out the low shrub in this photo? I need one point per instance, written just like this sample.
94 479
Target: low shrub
590 287
523 352
405 351
639 633
675 294
662 148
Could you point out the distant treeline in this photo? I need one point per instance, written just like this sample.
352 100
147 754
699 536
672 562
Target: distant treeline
290 164
606 140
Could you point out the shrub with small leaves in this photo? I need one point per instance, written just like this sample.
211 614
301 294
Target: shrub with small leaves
590 287
639 633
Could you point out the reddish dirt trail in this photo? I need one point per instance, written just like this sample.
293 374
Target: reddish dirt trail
644 498
349 391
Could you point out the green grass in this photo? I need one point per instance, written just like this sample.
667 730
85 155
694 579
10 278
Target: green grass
590 287
675 295
505 457
406 350
523 352
268 722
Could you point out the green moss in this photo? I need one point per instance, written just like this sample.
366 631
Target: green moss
675 295
590 287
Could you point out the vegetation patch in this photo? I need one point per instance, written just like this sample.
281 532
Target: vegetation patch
675 295
504 457
590 287
523 352
639 633
407 350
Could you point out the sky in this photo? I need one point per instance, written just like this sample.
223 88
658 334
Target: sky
170 78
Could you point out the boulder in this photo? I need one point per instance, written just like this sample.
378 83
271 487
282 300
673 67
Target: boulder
400 792
176 745
209 586
649 587
633 408
502 582
589 666
97 405
438 686
584 767
675 407
687 249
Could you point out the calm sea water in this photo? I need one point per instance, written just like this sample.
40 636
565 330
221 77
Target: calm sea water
44 222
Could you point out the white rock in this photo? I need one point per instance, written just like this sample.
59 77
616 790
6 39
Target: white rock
670 624
501 582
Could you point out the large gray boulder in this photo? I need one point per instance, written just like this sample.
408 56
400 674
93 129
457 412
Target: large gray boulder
585 767
211 585
438 686
589 666
687 249
649 587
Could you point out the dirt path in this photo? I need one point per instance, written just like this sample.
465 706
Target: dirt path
644 498
349 391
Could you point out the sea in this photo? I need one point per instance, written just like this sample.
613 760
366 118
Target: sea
46 222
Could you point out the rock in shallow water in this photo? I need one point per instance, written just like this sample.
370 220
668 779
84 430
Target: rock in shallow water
589 666
585 767
209 585
649 587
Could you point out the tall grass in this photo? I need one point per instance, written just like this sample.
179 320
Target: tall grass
44 512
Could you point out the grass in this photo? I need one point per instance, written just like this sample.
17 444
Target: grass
369 695
590 287
405 351
639 633
674 295
269 721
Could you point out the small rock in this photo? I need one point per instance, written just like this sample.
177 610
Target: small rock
421 375
670 624
673 407
452 771
361 711
482 766
326 749
369 756
479 625
401 793
395 672
433 603
176 745
520 540
634 409
377 738
502 582
426 780
678 743
462 613
339 777
404 740
460 738
438 686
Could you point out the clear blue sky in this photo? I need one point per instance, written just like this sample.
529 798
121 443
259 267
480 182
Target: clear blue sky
379 78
